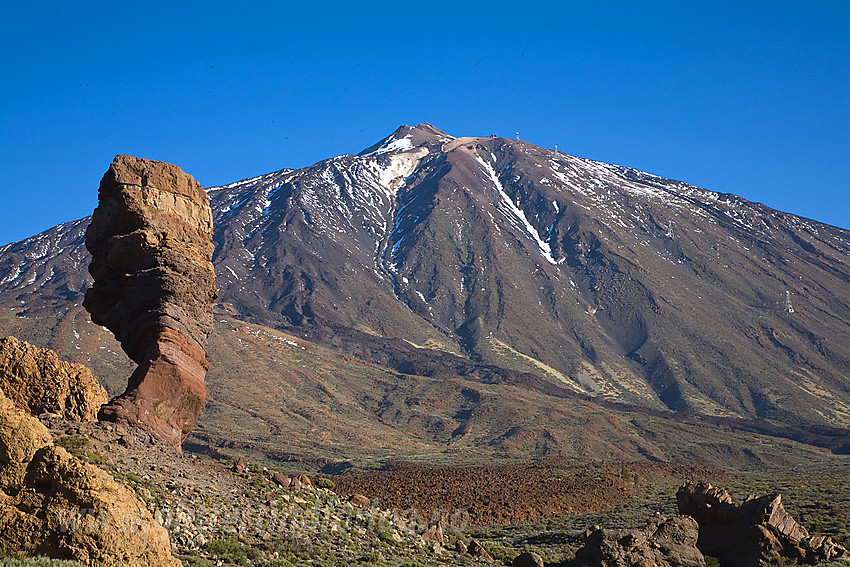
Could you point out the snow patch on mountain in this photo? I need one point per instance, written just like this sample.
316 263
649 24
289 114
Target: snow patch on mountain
515 215
394 169
392 145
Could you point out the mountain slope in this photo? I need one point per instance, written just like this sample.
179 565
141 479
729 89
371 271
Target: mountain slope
438 256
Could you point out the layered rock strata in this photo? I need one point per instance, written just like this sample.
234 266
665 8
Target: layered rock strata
37 381
53 504
758 532
151 243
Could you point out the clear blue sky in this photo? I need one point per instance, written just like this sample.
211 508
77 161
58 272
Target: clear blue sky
751 98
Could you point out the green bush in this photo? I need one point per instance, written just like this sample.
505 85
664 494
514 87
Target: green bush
371 557
72 443
231 550
95 458
326 483
500 553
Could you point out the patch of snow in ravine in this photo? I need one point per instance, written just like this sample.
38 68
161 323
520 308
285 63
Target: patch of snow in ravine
517 213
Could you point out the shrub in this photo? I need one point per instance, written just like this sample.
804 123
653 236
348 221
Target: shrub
72 443
500 553
325 483
231 550
371 557
95 458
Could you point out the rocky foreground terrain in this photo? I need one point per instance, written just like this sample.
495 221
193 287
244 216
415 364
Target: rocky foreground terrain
102 492
220 510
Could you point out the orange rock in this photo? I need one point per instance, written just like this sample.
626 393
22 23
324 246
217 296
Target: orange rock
52 503
305 480
37 381
434 533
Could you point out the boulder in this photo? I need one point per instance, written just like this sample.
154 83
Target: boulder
460 547
435 533
280 480
21 436
527 559
360 500
151 243
822 549
475 549
758 532
663 543
53 504
305 480
38 382
240 467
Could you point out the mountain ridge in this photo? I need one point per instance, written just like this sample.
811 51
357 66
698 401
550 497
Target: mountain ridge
613 283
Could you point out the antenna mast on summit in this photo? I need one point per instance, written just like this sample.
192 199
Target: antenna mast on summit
517 135
788 307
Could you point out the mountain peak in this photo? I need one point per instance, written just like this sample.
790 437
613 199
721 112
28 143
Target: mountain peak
571 276
406 136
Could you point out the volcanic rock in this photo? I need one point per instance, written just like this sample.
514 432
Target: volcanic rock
528 559
305 480
21 436
37 381
151 243
360 500
281 480
53 504
475 549
758 532
435 533
664 542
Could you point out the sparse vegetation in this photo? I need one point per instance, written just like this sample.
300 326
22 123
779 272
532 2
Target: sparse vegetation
501 553
231 550
95 458
72 443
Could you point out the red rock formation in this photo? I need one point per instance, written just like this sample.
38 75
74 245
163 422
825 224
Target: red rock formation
151 243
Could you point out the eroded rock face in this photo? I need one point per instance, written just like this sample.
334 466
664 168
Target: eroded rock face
37 381
663 543
758 532
151 243
53 504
